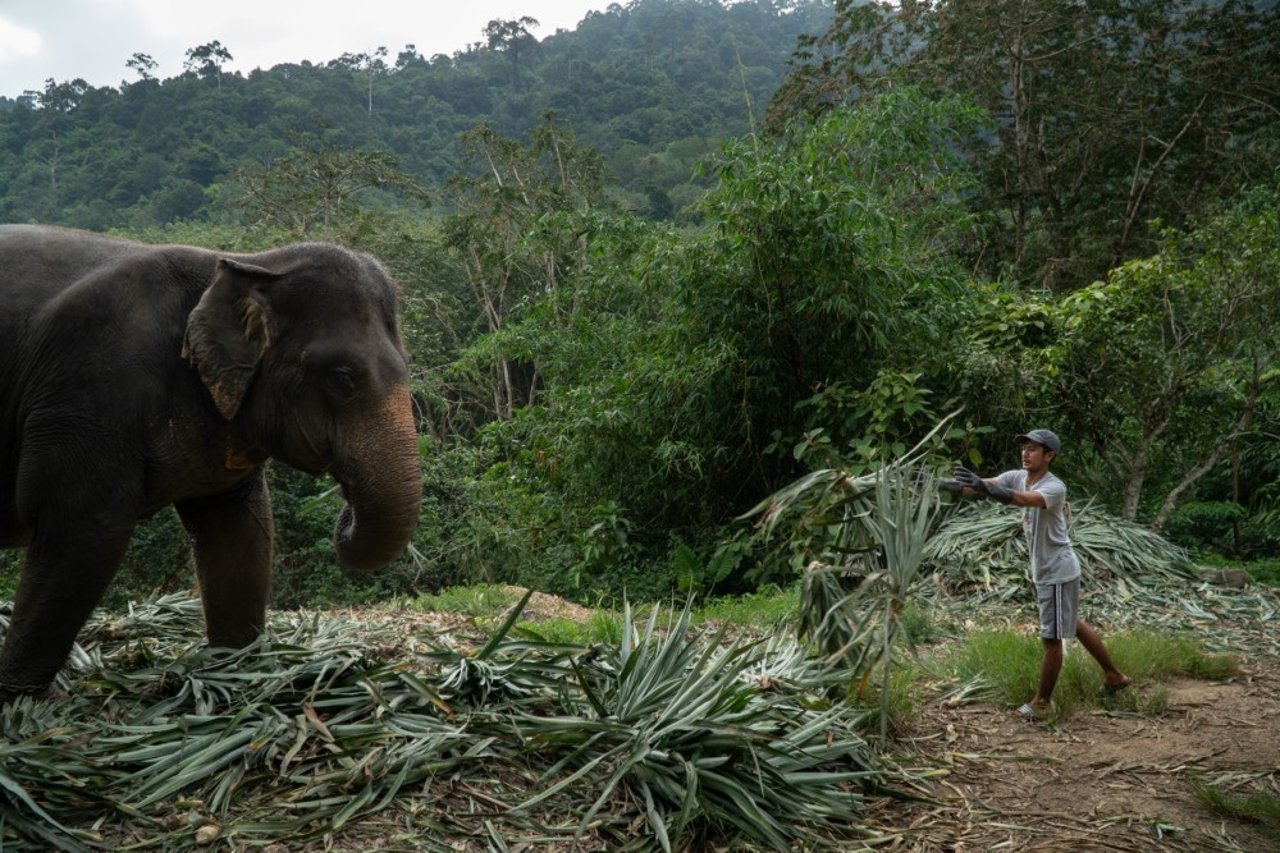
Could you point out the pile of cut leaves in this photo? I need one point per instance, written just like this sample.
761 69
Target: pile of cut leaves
980 545
322 733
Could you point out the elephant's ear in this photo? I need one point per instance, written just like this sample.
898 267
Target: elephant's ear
228 332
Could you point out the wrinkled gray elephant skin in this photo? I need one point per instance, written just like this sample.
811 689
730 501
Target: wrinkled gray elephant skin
133 377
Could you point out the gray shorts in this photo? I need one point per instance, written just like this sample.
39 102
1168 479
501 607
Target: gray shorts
1058 605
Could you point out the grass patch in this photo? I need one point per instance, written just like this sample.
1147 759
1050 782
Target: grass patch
766 609
484 602
1266 572
1007 664
477 601
603 626
1262 808
1151 655
900 709
921 623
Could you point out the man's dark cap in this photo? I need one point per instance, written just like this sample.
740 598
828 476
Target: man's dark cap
1041 436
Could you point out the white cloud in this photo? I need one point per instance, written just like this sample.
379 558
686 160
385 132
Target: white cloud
17 42
92 39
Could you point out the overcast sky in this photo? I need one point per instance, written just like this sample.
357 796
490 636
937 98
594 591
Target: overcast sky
92 39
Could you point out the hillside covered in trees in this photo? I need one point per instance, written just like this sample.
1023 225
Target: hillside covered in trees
653 85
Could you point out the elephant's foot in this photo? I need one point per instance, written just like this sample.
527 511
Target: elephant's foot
10 691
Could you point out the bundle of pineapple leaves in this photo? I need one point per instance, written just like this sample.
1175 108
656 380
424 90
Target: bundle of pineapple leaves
668 738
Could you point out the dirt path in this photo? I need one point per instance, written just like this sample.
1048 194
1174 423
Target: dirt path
1097 780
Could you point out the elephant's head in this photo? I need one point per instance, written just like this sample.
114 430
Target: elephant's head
300 350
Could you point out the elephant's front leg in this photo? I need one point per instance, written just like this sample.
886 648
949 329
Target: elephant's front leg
67 568
232 538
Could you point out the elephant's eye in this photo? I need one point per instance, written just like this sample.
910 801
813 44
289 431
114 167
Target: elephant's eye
342 383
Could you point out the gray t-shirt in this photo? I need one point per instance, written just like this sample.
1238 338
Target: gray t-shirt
1048 534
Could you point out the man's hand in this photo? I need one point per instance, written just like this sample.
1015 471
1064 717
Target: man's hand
963 479
968 479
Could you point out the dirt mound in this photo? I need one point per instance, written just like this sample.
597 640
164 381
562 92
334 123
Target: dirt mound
543 606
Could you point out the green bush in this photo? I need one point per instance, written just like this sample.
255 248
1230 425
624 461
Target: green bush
1260 535
1205 525
1224 527
1265 571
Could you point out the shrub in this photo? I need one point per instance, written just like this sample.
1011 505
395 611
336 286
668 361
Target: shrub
1205 525
1265 571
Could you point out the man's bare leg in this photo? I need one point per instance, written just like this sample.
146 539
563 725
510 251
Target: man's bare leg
1093 645
1050 666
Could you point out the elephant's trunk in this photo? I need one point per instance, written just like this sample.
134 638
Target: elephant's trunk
382 482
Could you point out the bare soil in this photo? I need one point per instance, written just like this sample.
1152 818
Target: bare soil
1097 780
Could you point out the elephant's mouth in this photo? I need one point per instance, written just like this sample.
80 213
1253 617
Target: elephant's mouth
309 452
309 466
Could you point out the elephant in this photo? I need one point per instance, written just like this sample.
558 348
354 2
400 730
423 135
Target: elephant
134 377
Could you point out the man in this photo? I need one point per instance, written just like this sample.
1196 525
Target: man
1054 567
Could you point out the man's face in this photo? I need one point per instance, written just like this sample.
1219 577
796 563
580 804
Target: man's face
1035 457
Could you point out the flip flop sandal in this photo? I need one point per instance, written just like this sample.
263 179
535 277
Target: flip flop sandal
1031 712
1112 689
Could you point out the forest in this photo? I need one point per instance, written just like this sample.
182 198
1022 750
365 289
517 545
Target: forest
703 300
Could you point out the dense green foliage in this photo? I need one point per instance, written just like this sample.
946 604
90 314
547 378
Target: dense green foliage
607 382
1109 114
1164 371
652 84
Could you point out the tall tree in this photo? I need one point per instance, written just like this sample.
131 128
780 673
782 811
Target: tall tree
370 64
505 230
842 238
207 60
315 191
512 38
62 97
143 65
681 374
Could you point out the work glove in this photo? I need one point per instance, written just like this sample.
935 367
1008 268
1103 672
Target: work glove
968 479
